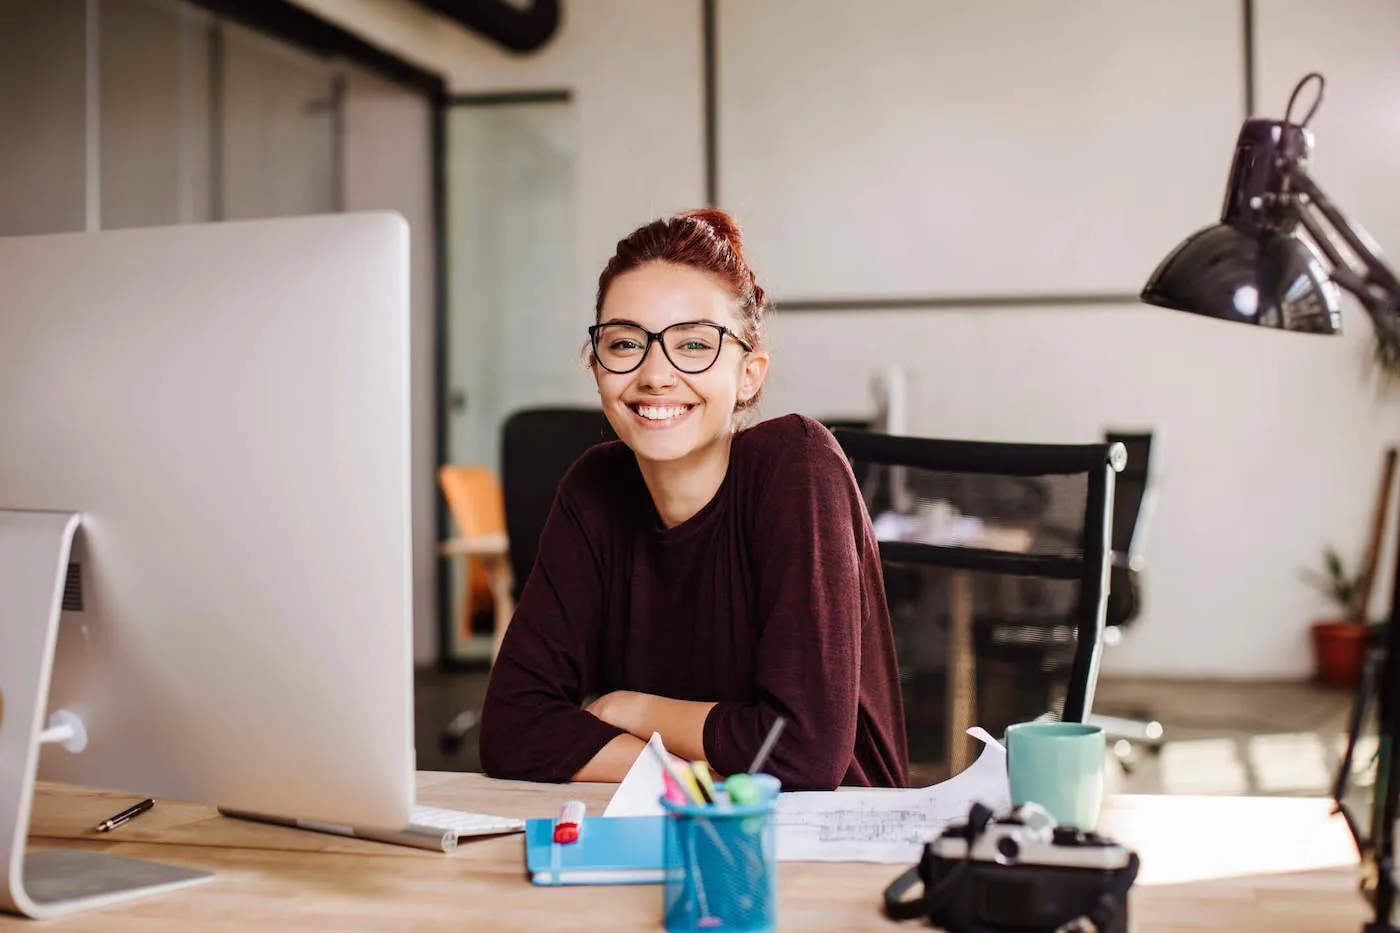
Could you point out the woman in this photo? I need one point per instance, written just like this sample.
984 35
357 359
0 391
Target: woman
695 579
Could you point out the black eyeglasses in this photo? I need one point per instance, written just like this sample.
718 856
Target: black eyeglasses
691 346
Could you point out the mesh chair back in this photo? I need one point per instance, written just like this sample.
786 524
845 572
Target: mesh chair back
538 446
995 560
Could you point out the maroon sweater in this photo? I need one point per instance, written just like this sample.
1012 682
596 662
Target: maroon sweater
769 601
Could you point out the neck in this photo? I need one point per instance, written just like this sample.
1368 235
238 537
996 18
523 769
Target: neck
681 488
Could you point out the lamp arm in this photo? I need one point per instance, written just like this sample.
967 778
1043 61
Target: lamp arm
1382 311
1342 271
1375 285
1378 291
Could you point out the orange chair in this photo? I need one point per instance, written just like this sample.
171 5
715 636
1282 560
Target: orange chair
474 498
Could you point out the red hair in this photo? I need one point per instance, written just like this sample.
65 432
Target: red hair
706 239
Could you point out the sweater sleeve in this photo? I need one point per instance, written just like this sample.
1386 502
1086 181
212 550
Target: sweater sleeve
533 726
807 567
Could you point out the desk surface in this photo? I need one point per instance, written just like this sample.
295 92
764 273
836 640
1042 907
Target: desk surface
1234 864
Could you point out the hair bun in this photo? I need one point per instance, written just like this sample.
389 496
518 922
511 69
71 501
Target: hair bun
723 225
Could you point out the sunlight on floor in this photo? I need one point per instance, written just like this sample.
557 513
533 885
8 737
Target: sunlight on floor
1292 763
1289 764
1203 766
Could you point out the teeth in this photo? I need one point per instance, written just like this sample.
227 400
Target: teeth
659 413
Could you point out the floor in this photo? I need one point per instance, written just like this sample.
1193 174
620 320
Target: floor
1233 738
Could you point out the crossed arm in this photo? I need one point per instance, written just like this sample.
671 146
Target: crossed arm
680 722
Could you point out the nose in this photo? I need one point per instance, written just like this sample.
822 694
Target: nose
656 371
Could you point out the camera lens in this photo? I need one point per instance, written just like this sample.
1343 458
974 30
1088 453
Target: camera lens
1008 850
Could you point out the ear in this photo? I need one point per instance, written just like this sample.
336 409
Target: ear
754 372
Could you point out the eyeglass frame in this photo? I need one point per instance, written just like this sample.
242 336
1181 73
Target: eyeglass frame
595 329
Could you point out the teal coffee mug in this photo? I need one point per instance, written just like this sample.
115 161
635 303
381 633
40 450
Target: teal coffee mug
1058 765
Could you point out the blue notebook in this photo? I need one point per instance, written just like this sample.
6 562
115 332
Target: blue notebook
609 850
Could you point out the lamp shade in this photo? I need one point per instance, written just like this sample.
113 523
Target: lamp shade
1252 266
1253 277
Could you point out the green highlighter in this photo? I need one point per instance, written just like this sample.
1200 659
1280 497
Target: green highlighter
741 788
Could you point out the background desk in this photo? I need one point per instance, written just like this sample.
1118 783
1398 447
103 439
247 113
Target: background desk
1233 864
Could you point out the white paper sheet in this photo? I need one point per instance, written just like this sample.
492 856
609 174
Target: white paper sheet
888 825
640 792
851 825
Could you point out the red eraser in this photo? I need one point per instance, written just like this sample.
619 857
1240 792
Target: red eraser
566 832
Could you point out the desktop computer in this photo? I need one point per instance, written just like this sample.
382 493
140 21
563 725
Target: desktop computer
204 530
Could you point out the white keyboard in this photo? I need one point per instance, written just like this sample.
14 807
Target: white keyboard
463 823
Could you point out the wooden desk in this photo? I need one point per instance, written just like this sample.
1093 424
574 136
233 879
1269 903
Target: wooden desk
1233 864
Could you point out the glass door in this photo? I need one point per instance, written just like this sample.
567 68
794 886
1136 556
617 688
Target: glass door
515 318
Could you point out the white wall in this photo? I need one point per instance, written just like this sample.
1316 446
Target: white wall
387 165
1007 146
1012 147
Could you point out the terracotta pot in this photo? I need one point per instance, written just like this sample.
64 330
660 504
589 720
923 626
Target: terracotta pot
1339 651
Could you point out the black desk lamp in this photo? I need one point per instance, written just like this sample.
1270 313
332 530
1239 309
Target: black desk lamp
1276 259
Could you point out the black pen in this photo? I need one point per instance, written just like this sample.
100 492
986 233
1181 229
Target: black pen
120 818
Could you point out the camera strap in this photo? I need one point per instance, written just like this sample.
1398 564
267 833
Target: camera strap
1105 915
933 899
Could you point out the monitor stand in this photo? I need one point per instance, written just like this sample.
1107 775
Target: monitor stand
34 553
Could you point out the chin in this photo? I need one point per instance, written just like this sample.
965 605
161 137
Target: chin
647 446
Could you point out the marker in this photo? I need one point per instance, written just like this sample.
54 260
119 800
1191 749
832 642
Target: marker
742 790
566 828
692 786
674 794
672 778
683 779
118 819
701 771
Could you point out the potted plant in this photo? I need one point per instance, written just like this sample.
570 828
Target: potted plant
1339 643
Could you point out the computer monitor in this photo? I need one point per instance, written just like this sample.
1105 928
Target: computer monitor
225 407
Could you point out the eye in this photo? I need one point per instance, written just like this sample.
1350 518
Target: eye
623 344
695 343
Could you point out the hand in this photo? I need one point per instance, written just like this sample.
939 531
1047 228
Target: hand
621 708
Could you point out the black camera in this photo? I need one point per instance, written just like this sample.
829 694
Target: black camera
1020 872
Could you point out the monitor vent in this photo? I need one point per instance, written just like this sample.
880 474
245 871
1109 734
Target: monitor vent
73 589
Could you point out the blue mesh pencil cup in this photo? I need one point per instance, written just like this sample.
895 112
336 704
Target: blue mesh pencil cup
721 864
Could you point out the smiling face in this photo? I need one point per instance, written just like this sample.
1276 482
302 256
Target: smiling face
663 414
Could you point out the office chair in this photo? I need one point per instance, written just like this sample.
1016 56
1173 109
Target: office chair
538 445
1134 500
474 499
998 613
